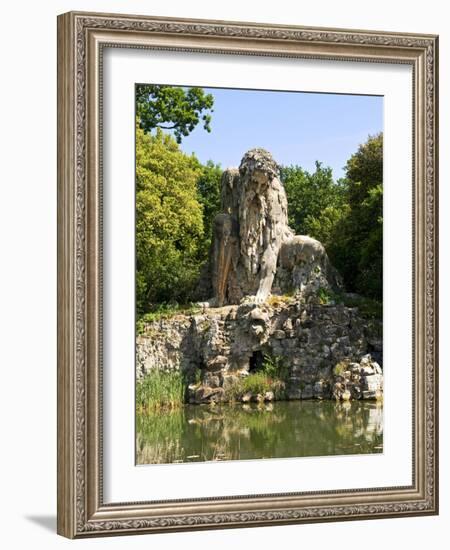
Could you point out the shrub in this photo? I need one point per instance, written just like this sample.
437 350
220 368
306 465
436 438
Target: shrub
274 367
325 296
255 383
160 390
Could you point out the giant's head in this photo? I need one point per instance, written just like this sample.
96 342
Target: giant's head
259 166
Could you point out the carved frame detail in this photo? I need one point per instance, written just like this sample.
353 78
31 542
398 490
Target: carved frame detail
81 37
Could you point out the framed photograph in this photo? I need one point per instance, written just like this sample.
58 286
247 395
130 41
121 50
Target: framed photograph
247 276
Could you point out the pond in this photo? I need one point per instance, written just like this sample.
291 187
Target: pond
196 433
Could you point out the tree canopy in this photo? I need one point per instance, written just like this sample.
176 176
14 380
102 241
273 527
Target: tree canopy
169 220
309 194
362 229
209 191
173 108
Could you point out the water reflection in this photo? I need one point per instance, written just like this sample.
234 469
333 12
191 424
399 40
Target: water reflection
238 432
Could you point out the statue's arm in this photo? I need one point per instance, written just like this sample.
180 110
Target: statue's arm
267 273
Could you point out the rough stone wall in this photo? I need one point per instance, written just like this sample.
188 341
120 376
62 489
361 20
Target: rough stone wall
165 346
220 345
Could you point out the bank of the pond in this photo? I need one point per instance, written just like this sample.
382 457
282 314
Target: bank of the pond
167 390
270 381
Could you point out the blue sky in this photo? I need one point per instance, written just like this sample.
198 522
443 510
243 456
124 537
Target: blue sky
297 128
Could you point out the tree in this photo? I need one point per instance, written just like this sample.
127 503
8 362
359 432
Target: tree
324 227
173 108
169 221
309 194
209 190
364 169
370 265
356 243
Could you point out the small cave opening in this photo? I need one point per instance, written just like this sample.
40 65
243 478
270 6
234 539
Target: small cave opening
195 373
256 360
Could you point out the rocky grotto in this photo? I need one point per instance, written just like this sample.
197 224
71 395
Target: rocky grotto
266 294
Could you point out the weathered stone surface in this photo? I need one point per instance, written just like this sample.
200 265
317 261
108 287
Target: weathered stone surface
294 393
164 346
206 394
373 382
307 392
304 267
363 380
246 398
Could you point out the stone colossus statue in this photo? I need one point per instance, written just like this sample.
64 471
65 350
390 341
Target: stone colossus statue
254 252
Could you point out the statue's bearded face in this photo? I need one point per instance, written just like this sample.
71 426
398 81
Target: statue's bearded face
261 178
256 182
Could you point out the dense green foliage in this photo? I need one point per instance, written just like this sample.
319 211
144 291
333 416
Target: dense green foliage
173 108
309 194
208 186
176 201
347 216
169 221
362 229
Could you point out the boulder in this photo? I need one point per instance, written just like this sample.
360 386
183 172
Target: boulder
363 380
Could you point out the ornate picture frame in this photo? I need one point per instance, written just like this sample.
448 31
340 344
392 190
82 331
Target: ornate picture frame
82 511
